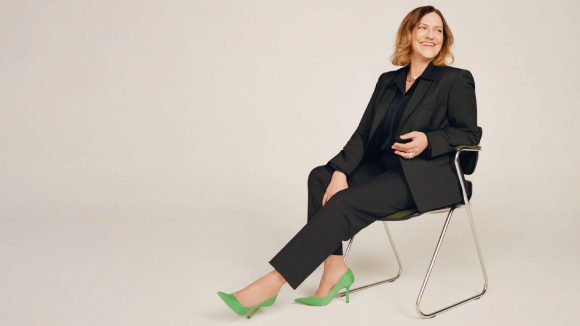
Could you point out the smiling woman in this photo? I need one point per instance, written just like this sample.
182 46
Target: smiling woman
397 159
423 25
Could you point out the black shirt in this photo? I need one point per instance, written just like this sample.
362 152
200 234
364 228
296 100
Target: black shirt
390 123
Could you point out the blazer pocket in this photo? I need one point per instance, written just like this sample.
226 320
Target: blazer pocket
432 106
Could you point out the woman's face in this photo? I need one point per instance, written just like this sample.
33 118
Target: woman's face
428 36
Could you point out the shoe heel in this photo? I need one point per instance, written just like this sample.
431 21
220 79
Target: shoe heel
252 313
347 288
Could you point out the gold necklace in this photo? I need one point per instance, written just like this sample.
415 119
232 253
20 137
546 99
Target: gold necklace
412 81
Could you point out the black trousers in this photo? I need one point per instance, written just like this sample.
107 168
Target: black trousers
376 189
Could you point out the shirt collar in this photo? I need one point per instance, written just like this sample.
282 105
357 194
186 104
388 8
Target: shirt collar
428 73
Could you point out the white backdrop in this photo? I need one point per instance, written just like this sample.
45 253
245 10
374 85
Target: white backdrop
155 152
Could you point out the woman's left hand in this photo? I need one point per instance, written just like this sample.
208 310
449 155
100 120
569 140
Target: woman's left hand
416 146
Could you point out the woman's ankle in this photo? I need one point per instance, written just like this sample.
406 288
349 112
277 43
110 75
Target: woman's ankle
277 278
335 265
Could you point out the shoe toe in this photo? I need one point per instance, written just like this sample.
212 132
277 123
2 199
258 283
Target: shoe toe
310 300
304 300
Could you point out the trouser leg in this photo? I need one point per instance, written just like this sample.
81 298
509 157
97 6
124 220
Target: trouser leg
318 180
343 216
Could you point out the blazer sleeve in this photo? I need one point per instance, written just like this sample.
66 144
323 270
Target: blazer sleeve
352 153
427 151
462 116
335 167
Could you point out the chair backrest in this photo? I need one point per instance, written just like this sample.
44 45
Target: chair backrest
468 159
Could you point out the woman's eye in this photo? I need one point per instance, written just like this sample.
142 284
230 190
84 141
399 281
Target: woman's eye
440 31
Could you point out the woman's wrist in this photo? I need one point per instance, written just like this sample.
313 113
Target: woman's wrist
338 174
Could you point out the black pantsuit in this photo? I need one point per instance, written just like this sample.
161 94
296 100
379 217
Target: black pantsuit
441 104
376 189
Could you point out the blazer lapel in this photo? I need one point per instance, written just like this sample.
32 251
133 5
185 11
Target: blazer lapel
415 99
384 103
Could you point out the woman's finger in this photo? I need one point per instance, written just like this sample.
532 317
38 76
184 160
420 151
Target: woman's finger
405 154
324 198
408 148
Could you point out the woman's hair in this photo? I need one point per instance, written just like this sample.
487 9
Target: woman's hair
403 49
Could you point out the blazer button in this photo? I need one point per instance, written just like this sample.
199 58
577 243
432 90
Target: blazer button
428 127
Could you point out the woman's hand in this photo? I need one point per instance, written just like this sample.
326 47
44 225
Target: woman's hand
337 183
418 144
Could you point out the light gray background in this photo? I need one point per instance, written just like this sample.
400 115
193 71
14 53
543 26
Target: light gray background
156 152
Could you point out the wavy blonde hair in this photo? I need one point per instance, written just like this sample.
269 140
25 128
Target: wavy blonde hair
403 49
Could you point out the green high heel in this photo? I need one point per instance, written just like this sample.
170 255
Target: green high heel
236 306
345 281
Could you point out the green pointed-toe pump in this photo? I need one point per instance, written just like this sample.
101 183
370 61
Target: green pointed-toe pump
345 281
236 306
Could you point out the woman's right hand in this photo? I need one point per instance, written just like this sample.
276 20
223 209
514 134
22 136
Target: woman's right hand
337 183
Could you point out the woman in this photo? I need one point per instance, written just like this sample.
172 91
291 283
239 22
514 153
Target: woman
398 158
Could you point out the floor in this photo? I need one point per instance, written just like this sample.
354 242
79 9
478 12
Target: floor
160 268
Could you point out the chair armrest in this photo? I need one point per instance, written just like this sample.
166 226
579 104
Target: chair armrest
465 165
468 160
468 147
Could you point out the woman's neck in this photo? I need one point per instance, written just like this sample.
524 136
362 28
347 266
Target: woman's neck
417 66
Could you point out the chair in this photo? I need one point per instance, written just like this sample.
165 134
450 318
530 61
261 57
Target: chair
465 162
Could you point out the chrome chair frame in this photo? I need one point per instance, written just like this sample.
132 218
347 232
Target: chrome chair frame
451 209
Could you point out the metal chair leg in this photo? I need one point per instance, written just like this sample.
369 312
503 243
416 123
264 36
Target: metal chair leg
343 293
475 297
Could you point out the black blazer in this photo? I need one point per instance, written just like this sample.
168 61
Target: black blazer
443 106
